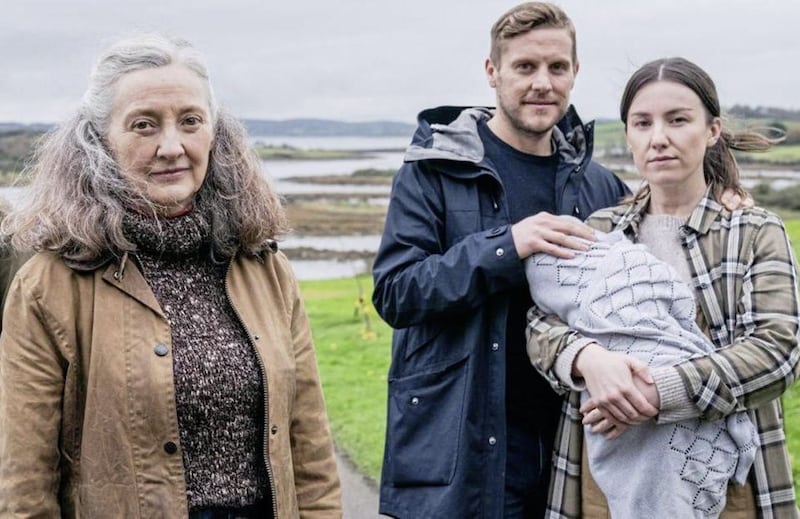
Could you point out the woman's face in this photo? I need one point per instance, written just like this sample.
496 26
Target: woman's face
161 134
668 132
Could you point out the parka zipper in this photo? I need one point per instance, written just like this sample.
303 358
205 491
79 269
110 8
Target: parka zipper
575 210
270 476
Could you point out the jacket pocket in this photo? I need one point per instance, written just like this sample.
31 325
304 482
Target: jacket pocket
426 414
418 337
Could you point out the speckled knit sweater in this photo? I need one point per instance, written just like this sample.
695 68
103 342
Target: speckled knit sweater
218 385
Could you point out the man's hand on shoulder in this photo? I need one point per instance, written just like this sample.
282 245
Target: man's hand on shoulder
556 235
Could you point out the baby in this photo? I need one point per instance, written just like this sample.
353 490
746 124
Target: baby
629 301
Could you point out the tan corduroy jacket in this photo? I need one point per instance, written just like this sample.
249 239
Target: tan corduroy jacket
88 426
10 261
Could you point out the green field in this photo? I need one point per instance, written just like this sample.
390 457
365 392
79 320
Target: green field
353 348
608 134
783 154
290 153
609 137
353 362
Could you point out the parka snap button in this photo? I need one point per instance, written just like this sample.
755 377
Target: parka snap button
414 401
492 440
161 349
495 346
274 429
499 253
170 448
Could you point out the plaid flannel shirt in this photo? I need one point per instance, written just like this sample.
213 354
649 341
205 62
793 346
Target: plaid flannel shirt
744 273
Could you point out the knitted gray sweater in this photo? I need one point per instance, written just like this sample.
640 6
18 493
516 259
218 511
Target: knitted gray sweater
218 387
621 296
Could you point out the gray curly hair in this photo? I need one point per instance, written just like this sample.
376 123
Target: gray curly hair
78 196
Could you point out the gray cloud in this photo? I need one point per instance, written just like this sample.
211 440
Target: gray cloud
359 60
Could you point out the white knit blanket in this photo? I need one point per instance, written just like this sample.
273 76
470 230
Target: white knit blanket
627 300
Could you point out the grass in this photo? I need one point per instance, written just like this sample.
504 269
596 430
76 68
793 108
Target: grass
344 217
791 416
354 362
791 400
788 154
610 135
290 153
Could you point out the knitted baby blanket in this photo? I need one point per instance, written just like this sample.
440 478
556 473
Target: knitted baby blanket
627 300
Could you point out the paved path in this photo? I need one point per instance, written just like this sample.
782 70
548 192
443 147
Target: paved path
359 493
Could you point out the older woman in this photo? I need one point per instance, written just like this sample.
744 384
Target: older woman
10 261
156 359
742 274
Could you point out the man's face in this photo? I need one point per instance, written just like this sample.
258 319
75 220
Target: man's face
533 81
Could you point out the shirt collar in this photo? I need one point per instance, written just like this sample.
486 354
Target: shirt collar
700 220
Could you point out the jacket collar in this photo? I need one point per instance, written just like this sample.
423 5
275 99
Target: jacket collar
128 278
700 220
451 133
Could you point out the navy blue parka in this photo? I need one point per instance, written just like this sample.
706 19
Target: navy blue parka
442 273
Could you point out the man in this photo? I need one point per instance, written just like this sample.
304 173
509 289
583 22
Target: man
470 423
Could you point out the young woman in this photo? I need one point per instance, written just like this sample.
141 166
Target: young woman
741 268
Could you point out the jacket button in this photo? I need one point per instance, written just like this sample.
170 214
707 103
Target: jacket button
161 349
492 440
499 253
274 429
170 448
414 401
495 346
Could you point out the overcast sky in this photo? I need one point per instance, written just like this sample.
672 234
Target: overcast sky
363 60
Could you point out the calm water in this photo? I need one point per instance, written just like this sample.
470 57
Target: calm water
335 243
386 153
335 143
282 169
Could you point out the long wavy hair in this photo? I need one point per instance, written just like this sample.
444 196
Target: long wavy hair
720 168
77 196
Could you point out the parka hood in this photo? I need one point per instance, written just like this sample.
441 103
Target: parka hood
451 133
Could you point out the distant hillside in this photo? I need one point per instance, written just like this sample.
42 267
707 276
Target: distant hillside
760 112
24 128
327 128
288 127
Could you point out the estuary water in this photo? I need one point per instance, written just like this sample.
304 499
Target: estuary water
380 153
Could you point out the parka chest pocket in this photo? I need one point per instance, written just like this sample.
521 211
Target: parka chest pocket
471 207
426 414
